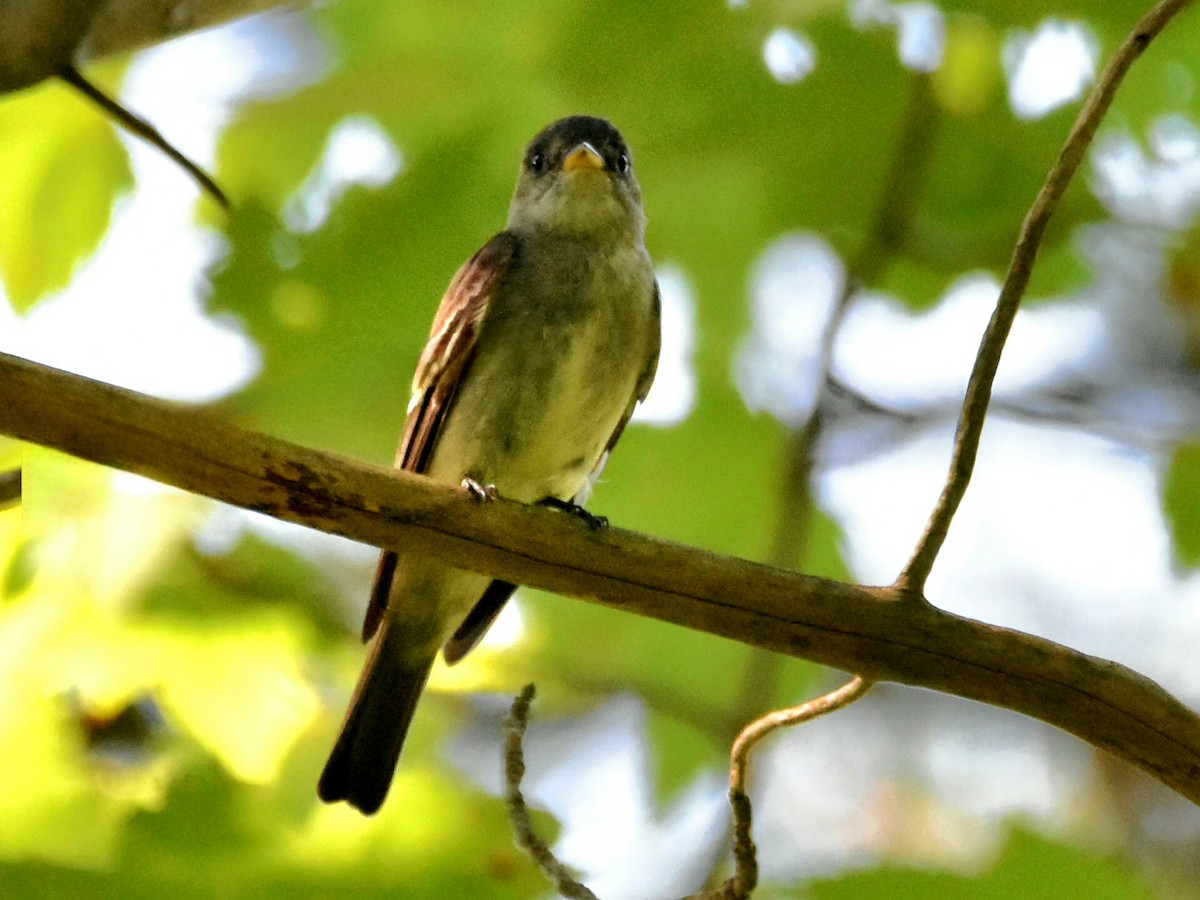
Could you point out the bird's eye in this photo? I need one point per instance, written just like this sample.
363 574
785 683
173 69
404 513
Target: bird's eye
623 163
537 163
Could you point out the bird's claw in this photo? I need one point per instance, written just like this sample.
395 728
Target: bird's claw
480 493
592 521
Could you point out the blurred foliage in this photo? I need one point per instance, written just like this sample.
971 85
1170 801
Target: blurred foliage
165 705
1183 287
63 168
1030 866
1181 493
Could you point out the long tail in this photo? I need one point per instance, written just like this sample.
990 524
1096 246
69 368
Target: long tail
363 760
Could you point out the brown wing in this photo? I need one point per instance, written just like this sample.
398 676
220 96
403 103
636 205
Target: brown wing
443 363
481 617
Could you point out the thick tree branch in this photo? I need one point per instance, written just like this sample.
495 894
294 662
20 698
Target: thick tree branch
125 25
863 630
38 38
987 362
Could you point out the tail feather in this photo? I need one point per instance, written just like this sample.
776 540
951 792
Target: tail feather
478 621
363 760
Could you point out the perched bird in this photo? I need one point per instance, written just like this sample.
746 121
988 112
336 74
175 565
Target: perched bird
544 343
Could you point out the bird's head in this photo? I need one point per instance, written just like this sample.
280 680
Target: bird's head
577 179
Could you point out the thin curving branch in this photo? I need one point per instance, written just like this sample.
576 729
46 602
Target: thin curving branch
853 628
979 389
138 126
739 754
745 876
515 724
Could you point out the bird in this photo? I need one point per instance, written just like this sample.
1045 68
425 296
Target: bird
544 343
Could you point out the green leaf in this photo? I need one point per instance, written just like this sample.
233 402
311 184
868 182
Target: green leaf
253 574
1181 503
1031 867
61 169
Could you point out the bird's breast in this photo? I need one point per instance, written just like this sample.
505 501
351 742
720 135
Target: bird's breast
555 369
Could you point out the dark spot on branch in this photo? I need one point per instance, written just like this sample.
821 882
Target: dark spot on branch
307 492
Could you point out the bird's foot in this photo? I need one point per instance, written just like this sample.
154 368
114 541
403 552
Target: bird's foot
480 493
594 522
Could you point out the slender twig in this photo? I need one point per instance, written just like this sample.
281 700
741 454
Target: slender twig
911 581
745 859
518 812
143 129
745 856
739 754
10 488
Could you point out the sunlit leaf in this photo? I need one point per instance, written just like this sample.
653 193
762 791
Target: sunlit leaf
970 77
52 811
1181 503
239 688
61 169
1030 867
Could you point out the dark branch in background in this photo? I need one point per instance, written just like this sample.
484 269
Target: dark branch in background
885 236
864 630
144 130
887 233
10 488
979 389
518 813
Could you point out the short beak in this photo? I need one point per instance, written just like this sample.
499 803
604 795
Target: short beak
583 157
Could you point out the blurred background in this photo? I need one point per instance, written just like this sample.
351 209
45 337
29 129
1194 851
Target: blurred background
833 190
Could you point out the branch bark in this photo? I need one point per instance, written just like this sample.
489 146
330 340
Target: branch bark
861 629
39 38
126 25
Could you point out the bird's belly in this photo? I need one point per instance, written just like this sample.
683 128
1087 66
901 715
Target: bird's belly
536 424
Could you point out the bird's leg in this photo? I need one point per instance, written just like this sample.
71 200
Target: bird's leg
480 493
592 521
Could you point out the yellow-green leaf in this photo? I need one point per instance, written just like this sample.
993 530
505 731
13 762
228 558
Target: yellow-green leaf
1181 503
61 167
